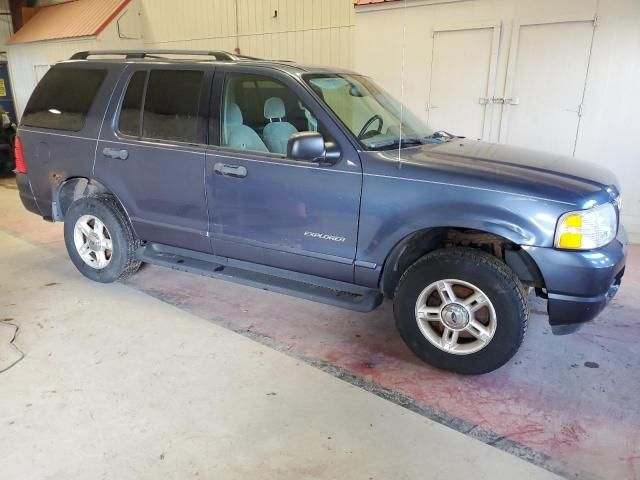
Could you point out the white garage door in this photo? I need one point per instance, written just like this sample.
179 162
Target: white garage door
462 79
541 102
545 85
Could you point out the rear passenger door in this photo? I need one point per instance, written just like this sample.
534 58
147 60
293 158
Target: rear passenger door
270 209
151 152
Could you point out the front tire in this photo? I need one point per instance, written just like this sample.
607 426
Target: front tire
461 310
99 239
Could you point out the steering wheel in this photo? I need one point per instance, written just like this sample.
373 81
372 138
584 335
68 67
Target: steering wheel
368 123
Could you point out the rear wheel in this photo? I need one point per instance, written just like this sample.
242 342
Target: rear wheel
99 239
461 310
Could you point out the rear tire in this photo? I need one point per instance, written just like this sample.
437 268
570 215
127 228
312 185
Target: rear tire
99 239
461 310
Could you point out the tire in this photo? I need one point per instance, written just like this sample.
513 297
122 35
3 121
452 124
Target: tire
438 287
94 259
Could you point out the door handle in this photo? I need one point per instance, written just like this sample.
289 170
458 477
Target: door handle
115 153
236 171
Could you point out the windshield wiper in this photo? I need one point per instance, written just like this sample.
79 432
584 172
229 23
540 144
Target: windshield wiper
440 136
395 142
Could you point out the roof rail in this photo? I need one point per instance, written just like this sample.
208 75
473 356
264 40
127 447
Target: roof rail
219 55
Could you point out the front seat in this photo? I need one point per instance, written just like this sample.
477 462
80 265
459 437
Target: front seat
276 134
237 134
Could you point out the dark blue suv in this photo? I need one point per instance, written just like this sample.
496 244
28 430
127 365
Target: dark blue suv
315 182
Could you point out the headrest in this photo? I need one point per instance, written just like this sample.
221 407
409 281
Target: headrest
274 108
233 115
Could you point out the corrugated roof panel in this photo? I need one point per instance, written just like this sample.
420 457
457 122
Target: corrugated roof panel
80 18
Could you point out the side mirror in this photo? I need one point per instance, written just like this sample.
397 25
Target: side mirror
311 147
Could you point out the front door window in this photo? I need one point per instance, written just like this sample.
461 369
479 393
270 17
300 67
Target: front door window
260 114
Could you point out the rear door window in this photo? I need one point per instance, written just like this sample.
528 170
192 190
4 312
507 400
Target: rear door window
63 98
172 104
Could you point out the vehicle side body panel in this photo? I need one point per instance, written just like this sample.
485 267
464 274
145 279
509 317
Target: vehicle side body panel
429 195
53 156
160 184
301 216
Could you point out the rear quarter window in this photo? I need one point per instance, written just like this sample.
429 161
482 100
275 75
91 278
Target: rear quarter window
129 122
63 98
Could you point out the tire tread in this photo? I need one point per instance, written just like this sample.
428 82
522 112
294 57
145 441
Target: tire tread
133 264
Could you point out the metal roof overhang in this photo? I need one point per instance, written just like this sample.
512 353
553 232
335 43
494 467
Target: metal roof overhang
74 19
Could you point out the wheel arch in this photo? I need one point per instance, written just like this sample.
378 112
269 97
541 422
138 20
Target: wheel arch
74 188
417 244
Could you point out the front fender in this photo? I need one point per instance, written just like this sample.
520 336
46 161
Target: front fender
387 218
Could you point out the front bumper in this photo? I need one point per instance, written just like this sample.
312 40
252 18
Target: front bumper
580 284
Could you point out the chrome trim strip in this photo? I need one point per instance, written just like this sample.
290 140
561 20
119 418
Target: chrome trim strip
280 248
208 152
470 187
22 129
169 226
198 150
321 169
363 264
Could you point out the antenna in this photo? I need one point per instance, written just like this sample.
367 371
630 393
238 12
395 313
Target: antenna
404 39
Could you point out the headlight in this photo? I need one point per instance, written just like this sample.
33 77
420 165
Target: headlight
587 229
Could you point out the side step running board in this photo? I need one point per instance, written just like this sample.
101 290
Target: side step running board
323 290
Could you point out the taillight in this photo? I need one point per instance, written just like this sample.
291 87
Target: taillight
18 154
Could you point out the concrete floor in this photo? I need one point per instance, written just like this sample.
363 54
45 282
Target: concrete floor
134 381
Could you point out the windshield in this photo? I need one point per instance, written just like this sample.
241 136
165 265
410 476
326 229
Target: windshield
372 115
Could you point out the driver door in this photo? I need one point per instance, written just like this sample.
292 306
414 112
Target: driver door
267 208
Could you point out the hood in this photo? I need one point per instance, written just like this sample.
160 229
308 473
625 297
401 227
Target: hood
518 170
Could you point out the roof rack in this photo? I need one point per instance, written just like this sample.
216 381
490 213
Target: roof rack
218 55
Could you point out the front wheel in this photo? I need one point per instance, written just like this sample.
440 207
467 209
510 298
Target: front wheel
99 239
461 310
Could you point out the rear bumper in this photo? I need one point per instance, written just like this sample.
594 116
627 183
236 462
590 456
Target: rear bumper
26 193
580 284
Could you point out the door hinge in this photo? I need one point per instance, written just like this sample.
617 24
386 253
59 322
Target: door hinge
595 20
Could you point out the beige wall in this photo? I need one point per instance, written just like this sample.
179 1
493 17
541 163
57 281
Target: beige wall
6 29
609 128
307 31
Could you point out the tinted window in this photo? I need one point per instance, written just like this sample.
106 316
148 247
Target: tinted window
62 98
129 123
172 104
